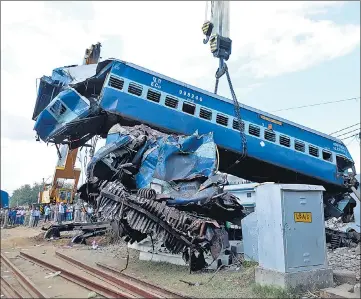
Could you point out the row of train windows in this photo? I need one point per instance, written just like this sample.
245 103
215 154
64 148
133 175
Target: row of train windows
190 108
172 102
286 141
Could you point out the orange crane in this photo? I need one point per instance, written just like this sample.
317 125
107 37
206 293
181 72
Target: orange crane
65 169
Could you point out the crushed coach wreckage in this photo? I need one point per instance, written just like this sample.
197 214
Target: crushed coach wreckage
151 184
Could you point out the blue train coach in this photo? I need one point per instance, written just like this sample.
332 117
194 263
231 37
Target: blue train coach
4 199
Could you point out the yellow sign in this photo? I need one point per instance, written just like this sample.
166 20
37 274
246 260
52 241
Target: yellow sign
302 217
277 122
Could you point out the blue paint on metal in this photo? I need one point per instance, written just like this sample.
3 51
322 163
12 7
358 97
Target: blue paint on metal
120 141
4 199
176 158
67 106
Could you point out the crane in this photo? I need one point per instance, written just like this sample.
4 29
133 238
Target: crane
216 30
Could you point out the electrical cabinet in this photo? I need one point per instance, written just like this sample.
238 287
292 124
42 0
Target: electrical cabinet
291 227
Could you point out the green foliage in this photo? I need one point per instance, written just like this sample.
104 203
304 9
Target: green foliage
25 195
249 264
273 292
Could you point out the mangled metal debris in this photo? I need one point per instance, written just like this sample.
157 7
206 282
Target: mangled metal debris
147 183
86 230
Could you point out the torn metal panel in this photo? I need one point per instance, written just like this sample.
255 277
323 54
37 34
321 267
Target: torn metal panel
177 158
74 74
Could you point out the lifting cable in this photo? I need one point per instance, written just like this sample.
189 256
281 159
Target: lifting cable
237 110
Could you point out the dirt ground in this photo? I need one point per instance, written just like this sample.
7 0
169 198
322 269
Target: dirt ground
237 282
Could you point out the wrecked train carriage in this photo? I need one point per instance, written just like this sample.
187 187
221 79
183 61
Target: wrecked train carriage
150 184
121 92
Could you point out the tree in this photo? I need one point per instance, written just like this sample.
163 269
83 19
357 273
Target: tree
25 195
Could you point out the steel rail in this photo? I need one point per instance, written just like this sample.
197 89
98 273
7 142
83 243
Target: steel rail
136 289
162 291
8 290
28 285
80 280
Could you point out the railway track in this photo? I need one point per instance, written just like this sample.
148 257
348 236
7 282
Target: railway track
79 278
15 283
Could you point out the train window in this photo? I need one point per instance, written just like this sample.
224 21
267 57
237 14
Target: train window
249 194
205 113
326 155
269 135
135 89
171 102
343 164
285 141
313 151
236 125
189 108
116 83
254 130
58 108
299 146
153 95
222 120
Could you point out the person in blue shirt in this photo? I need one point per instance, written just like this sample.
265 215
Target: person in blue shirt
47 213
13 217
36 215
10 219
65 212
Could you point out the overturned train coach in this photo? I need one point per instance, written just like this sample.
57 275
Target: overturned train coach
78 102
87 100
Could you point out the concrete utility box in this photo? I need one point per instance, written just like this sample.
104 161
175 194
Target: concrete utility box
250 237
291 236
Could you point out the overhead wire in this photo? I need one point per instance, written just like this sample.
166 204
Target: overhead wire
354 130
351 136
317 104
344 129
352 140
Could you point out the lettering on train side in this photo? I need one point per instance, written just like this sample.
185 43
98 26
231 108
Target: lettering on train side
190 96
339 148
156 83
277 122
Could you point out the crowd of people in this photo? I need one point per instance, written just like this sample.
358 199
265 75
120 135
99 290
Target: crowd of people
58 213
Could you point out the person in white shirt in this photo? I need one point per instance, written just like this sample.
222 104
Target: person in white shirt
77 217
83 214
31 221
22 216
89 212
61 212
56 212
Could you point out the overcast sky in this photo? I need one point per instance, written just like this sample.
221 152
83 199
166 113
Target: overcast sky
284 54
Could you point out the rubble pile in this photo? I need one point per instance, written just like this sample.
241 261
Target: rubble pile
345 258
342 234
147 183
